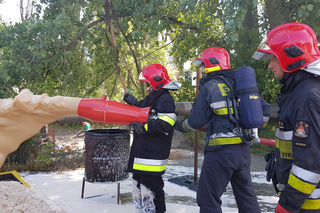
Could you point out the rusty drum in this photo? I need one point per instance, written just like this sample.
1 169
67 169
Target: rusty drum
107 155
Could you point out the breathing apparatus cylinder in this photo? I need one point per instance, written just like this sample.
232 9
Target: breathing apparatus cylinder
249 100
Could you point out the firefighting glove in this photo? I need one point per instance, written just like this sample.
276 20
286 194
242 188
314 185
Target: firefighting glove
280 209
271 165
130 99
270 158
138 128
179 126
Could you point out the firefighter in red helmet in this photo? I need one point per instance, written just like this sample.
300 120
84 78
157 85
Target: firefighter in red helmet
152 140
227 156
292 49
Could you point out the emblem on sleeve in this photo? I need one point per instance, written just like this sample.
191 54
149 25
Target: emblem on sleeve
224 89
301 129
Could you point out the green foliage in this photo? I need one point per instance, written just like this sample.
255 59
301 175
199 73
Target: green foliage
260 149
48 55
190 141
269 132
269 86
187 92
68 127
202 136
68 50
44 155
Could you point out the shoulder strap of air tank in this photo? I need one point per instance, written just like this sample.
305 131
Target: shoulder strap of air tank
236 117
231 98
245 91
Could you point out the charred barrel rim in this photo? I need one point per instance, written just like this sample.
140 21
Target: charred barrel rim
104 132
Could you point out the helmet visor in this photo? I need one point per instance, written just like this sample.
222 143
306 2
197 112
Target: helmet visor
141 77
200 64
263 44
197 62
262 56
260 53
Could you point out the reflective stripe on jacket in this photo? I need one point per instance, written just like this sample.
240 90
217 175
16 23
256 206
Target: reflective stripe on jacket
150 152
297 142
210 109
149 165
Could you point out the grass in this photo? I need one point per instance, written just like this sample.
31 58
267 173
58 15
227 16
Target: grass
268 132
260 150
58 162
67 127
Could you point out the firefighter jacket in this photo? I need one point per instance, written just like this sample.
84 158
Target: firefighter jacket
150 152
298 143
210 109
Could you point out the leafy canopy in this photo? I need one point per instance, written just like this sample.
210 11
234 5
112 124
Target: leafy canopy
84 48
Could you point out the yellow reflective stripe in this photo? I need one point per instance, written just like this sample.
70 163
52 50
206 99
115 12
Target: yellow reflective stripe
212 69
222 111
311 204
224 141
224 89
277 145
285 148
300 185
146 127
167 119
149 168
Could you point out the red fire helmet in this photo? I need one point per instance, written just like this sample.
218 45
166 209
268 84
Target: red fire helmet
214 59
156 75
294 44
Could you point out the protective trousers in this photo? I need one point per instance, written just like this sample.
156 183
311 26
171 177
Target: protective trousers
148 194
230 163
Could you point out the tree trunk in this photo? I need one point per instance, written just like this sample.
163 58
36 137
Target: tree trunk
115 50
132 51
275 17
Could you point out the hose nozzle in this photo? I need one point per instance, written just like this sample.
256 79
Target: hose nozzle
256 138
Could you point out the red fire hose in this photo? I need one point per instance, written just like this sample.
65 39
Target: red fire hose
268 142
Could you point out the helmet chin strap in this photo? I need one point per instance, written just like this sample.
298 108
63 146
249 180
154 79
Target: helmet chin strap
149 89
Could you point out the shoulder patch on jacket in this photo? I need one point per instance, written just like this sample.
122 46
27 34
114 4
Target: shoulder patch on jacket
224 89
301 129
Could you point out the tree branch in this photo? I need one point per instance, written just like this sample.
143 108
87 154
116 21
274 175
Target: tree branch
75 40
107 6
132 51
93 88
181 24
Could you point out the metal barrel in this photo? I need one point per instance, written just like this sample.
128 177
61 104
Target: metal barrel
107 155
